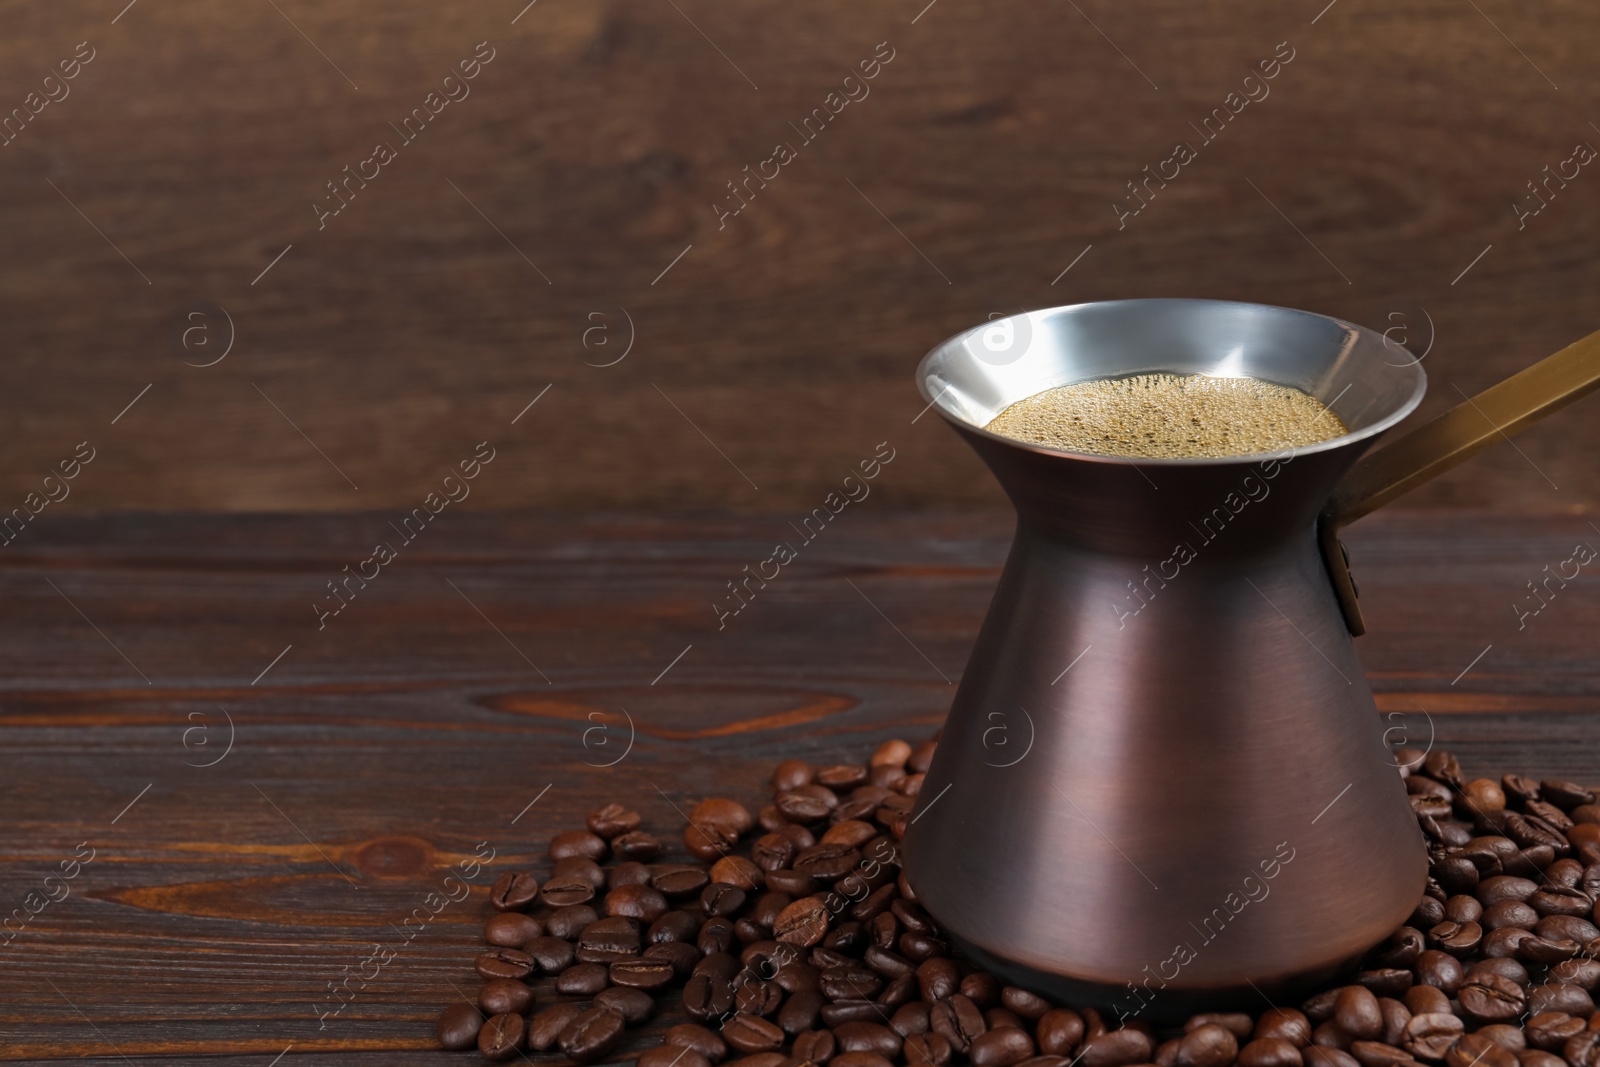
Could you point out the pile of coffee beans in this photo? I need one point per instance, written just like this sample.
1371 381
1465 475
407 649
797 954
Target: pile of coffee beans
796 942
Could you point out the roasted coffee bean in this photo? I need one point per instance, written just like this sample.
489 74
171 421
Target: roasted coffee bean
1425 999
910 1018
919 947
1458 939
1439 969
1510 1038
1378 1054
1535 1058
636 846
938 978
545 1027
927 1050
1429 912
1004 1046
568 922
1209 1045
853 982
1560 900
672 926
1287 1023
796 883
898 991
561 891
1331 1035
1117 1048
502 1037
791 774
591 1034
1583 1050
504 963
582 980
814 1046
796 975
458 1026
738 871
827 861
859 1059
1029 1005
1386 981
729 816
1505 887
800 1011
634 1005
1430 1035
641 973
636 902
958 1019
578 843
1395 1017
1551 1030
1544 950
1584 973
1476 1050
1549 814
1505 913
1491 998
751 1033
1456 874
605 940
757 996
876 904
763 1059
1504 967
892 966
707 996
671 1056
612 820
840 1012
1357 1013
1270 1052
1566 928
513 891
806 804
677 881
868 1037
1504 942
804 922
1059 1030
998 1016
707 842
719 900
679 955
511 929
1462 908
1565 794
629 872
1554 996
772 852
1319 1007
698 1038
1319 1056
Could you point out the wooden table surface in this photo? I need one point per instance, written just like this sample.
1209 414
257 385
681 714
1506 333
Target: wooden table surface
266 801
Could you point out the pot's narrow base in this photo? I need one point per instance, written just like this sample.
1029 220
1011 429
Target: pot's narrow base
1118 1004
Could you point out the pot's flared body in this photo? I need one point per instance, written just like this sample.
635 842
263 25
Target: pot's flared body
1163 779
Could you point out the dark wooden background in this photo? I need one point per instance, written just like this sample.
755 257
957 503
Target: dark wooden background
596 143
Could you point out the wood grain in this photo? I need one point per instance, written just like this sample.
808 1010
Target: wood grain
379 752
591 151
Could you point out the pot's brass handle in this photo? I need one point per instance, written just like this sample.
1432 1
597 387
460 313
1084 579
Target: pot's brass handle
1401 465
